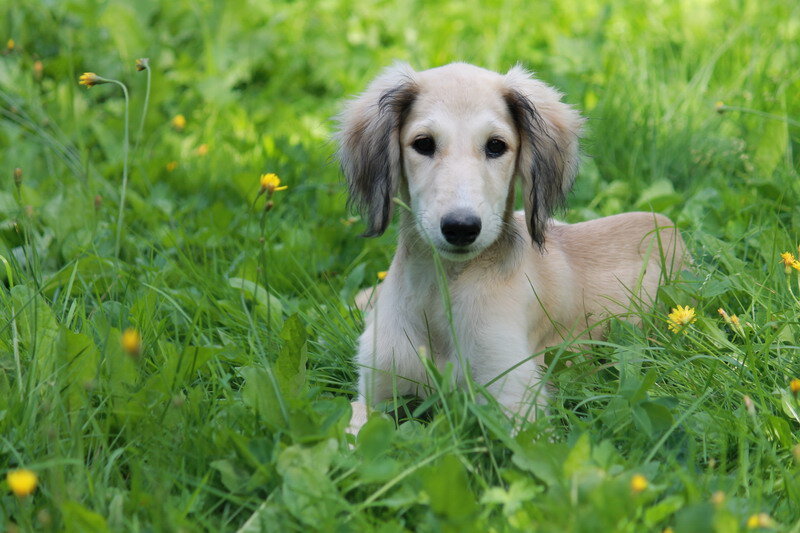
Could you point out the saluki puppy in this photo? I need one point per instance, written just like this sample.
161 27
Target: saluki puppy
450 143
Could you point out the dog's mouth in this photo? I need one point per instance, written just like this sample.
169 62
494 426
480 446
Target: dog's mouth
459 253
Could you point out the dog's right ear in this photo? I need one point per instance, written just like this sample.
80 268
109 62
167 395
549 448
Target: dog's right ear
369 144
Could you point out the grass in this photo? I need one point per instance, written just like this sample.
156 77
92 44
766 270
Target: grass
233 414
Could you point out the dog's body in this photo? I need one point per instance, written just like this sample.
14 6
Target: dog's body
449 142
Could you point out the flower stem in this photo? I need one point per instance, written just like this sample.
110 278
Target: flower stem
125 143
144 110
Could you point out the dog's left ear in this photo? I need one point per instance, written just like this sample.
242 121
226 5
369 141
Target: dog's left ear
548 158
369 144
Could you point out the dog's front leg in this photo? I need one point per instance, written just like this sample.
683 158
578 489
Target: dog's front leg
388 365
502 361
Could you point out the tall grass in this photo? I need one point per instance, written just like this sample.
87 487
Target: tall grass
234 412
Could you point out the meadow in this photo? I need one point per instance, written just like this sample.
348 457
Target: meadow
176 343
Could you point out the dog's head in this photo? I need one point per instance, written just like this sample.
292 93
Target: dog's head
456 136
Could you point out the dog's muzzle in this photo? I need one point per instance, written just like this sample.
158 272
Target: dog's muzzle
461 227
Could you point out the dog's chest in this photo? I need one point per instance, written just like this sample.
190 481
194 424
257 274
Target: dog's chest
464 310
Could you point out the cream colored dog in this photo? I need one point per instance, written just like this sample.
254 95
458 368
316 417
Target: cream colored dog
449 143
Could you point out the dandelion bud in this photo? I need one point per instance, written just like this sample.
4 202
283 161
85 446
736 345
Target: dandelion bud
10 45
17 176
718 498
794 386
724 315
269 205
44 518
98 202
171 166
143 63
202 150
90 79
749 405
382 275
719 107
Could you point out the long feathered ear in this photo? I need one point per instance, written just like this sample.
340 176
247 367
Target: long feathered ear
369 144
548 158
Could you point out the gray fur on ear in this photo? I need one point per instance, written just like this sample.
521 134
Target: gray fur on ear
369 144
549 131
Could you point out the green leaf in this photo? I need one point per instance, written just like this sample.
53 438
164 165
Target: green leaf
697 518
235 479
578 457
78 519
307 490
38 329
447 486
771 146
82 360
290 367
659 196
261 393
375 437
662 510
544 460
267 305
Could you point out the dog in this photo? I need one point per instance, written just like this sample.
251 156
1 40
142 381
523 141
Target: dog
447 145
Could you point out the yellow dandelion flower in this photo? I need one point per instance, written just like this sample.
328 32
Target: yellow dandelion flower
382 275
718 498
788 260
38 68
10 45
796 265
638 483
22 482
171 166
794 385
271 183
131 342
681 317
90 79
178 122
202 149
668 530
760 520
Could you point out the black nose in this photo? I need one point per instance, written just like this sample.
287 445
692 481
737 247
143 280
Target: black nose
460 227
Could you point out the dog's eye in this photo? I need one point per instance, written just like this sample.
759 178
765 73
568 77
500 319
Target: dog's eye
424 145
495 148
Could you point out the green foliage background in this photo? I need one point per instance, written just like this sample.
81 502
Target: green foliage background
233 415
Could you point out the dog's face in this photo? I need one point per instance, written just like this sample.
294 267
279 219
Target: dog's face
459 150
455 137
